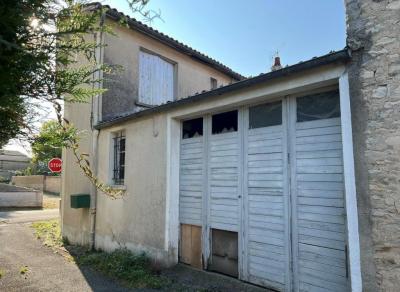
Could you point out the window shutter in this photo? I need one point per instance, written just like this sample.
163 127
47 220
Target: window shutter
156 79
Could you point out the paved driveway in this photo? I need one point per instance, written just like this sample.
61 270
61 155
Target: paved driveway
47 271
28 215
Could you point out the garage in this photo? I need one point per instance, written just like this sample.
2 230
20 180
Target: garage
261 193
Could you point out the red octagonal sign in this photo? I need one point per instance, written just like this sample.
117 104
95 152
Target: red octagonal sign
55 165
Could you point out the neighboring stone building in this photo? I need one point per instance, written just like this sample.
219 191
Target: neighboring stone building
12 161
289 180
373 29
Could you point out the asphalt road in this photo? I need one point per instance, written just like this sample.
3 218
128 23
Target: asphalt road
47 271
26 216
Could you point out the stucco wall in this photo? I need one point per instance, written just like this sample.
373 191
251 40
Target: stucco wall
373 35
75 222
137 221
123 49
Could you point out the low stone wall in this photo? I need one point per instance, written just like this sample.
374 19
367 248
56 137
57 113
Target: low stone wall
12 196
50 184
31 181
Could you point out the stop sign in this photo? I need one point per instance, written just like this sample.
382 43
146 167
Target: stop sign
55 165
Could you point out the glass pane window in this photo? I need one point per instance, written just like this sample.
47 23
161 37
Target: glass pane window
192 128
318 106
119 158
225 122
265 115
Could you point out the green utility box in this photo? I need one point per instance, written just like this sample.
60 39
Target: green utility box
80 201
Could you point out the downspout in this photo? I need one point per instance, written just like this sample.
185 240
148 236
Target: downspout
95 114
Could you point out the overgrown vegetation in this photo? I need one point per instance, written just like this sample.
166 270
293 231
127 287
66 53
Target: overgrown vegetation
23 270
1 273
49 232
134 270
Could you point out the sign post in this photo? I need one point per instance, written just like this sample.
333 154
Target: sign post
55 165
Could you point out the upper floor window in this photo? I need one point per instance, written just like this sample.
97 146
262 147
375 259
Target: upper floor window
156 79
213 83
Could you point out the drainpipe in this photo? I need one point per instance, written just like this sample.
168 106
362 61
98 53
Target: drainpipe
95 113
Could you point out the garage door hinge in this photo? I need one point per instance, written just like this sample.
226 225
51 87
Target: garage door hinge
288 157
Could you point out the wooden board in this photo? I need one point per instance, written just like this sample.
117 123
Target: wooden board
190 245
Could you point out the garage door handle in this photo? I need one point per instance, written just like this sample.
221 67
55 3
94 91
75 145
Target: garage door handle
239 196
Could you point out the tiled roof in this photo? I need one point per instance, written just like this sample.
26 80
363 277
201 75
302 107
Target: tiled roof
342 56
167 40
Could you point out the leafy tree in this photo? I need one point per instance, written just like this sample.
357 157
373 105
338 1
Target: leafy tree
48 144
49 48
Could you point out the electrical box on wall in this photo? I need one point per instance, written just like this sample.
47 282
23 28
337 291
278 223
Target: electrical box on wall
80 201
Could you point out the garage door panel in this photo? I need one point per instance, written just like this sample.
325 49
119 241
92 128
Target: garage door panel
310 283
335 219
329 130
337 153
266 227
318 186
321 225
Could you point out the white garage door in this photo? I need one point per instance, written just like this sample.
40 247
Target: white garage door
276 178
266 201
319 243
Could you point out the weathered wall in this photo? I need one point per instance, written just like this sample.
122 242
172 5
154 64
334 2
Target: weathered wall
52 184
137 221
75 222
11 161
29 181
12 196
373 29
124 48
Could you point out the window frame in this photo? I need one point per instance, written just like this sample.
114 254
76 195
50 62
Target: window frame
138 102
115 165
213 83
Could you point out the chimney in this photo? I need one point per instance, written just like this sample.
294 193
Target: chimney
277 64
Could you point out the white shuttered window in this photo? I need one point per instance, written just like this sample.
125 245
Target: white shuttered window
156 79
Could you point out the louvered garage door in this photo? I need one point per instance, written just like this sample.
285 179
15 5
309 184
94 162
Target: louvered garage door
285 159
223 178
191 173
319 228
267 258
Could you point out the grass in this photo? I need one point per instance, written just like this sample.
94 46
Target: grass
2 272
134 270
49 232
23 270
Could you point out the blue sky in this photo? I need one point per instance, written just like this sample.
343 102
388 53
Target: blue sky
244 35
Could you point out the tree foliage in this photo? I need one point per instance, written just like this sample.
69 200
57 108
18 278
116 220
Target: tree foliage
48 143
49 47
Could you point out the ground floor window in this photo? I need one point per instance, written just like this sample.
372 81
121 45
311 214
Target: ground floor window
119 158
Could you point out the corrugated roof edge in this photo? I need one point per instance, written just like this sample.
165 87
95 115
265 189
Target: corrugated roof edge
167 40
334 57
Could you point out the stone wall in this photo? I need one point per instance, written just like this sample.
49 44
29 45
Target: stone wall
373 34
50 184
12 196
29 181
